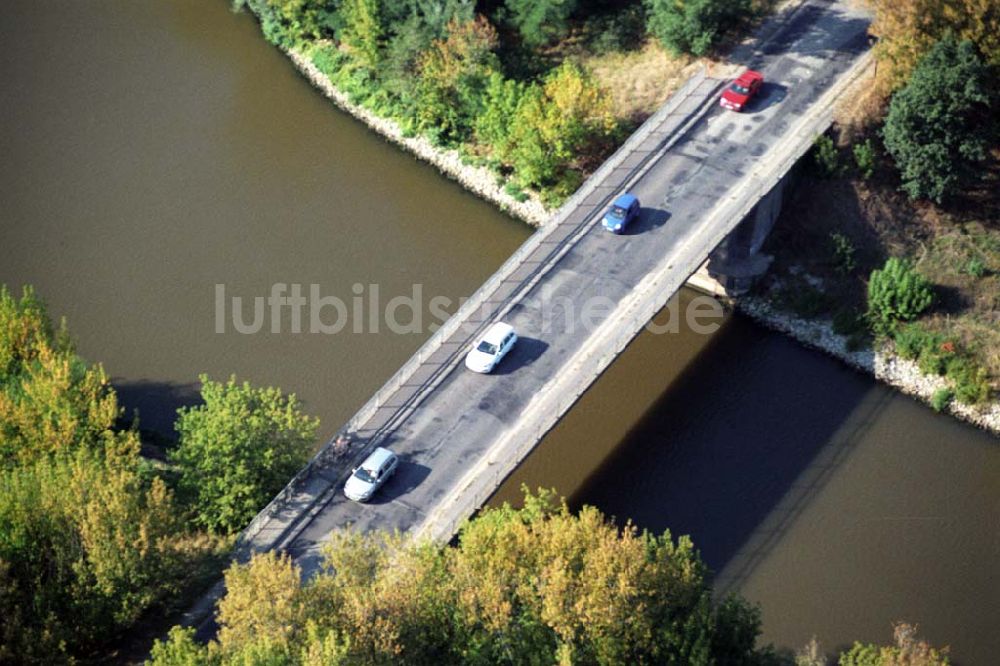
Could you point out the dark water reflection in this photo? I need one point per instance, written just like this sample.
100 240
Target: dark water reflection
838 505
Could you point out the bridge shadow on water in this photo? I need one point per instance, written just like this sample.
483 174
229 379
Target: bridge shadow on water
736 448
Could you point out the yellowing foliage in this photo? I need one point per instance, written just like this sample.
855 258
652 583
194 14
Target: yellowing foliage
908 28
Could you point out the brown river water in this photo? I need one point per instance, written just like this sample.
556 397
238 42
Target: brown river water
151 151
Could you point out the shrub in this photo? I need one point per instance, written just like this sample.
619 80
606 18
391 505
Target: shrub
975 267
935 359
539 22
896 292
328 60
941 399
826 157
693 26
516 191
972 387
622 30
844 253
939 128
864 158
911 340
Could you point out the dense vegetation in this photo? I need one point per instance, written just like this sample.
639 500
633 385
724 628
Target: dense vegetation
876 260
940 126
92 535
237 449
492 78
537 585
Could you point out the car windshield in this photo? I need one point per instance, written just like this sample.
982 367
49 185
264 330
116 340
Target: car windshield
487 347
618 212
738 89
365 475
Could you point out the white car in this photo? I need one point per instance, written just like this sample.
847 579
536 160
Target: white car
491 347
370 475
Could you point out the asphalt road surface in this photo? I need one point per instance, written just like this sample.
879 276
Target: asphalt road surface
456 423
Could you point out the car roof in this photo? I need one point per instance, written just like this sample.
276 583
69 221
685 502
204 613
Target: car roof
625 200
497 332
377 457
749 76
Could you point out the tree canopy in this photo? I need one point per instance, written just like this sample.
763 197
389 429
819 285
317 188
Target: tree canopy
908 29
238 449
536 585
941 125
693 26
85 534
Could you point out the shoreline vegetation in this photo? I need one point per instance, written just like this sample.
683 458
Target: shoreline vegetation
518 108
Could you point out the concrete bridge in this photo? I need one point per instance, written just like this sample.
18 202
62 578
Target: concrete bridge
709 181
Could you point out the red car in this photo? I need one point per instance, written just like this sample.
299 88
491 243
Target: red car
742 90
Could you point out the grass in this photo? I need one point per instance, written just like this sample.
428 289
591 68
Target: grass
639 81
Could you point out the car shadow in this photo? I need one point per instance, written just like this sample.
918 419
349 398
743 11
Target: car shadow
408 476
648 220
770 94
524 353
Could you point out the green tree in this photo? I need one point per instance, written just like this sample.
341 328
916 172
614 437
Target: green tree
238 449
908 29
896 292
539 22
453 76
50 400
500 102
85 548
363 31
693 26
563 122
940 127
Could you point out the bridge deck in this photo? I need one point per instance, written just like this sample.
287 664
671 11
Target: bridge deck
697 170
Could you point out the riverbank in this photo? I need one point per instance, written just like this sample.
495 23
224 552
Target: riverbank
882 363
479 180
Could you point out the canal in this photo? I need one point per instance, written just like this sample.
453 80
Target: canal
153 151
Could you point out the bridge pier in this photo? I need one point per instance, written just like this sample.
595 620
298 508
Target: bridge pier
737 262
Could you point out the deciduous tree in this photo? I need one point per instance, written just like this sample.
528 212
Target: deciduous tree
540 22
453 77
907 29
238 449
536 585
940 127
693 26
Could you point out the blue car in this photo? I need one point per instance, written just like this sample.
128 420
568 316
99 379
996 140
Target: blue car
622 211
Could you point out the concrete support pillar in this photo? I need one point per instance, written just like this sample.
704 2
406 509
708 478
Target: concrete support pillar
738 261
